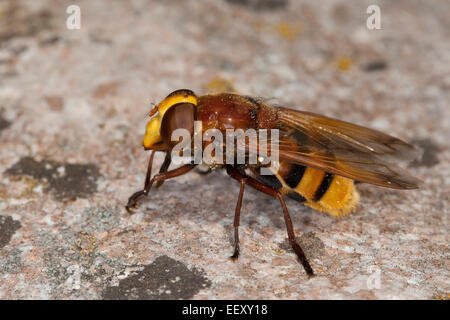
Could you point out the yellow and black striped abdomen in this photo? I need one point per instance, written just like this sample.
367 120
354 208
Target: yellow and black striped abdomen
317 189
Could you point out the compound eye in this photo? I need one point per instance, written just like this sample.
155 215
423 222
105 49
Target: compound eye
179 116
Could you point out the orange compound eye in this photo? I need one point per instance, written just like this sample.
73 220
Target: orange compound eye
180 116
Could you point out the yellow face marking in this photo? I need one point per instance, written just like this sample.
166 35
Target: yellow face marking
153 129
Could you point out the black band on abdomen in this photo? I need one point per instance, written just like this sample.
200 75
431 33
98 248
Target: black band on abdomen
295 175
270 181
324 185
296 196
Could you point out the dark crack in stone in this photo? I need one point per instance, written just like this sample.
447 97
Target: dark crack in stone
163 279
261 5
4 123
51 40
312 246
430 151
20 22
375 65
66 181
8 227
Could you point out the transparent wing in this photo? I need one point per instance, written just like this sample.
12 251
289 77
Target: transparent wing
343 148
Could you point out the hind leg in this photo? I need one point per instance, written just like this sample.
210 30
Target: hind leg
235 174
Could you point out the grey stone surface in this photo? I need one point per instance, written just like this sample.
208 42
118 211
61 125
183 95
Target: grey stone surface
74 103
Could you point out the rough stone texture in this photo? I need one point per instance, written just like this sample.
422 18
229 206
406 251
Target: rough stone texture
8 227
164 278
78 100
67 181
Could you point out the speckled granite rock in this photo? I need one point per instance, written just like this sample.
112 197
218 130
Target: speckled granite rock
73 106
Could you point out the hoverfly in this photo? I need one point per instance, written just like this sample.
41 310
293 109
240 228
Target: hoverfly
319 158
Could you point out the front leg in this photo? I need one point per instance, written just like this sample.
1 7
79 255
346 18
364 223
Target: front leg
164 167
162 176
236 174
132 201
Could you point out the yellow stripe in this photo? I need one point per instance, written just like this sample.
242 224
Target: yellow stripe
339 191
340 199
311 180
173 100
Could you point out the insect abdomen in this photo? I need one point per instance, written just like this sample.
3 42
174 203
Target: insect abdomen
333 194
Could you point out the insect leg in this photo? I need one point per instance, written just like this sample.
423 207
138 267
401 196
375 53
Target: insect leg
287 219
290 230
164 168
133 200
237 214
